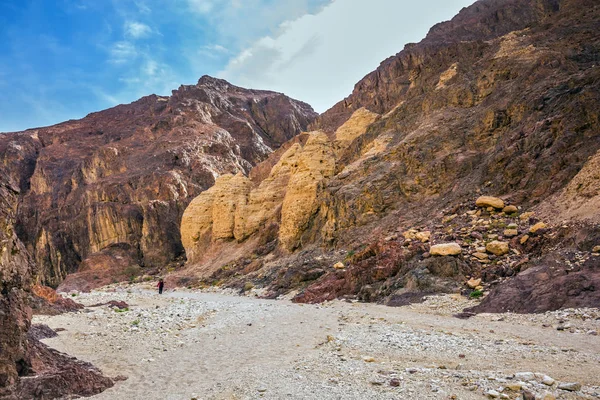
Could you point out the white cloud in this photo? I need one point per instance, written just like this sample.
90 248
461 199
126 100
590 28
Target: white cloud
202 6
137 30
122 52
318 58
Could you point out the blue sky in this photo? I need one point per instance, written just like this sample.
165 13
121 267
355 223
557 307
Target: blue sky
63 59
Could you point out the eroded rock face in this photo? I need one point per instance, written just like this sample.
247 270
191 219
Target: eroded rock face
16 271
237 208
125 175
501 101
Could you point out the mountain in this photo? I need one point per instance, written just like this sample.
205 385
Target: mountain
109 190
501 101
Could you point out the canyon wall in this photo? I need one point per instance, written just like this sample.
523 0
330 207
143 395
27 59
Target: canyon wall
117 181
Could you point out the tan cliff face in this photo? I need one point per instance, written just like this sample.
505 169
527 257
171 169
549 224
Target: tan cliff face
124 176
235 208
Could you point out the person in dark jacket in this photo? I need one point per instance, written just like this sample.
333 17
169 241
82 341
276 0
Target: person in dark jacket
161 285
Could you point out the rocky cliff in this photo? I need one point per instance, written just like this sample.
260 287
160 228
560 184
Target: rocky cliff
108 191
29 369
501 100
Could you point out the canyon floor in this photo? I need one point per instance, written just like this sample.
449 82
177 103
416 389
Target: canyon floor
206 345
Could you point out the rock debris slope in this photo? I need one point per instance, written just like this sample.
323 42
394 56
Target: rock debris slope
500 101
109 189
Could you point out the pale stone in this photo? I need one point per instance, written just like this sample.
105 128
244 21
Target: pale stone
496 247
510 232
481 256
445 249
548 381
510 209
489 201
473 283
596 249
339 265
570 386
537 227
410 234
424 236
524 239
526 215
525 376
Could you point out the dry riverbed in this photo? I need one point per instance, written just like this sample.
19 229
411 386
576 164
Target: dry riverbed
188 344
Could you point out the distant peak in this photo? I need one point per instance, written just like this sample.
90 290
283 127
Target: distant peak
207 80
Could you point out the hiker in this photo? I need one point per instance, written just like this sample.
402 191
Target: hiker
161 285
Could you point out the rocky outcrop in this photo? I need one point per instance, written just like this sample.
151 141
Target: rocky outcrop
29 369
498 104
16 270
237 208
124 176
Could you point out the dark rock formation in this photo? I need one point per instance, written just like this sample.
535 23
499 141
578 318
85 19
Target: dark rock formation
29 369
16 271
118 180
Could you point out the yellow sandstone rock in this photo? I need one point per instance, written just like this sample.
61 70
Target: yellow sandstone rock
473 283
489 201
445 249
496 247
537 227
315 163
510 209
510 232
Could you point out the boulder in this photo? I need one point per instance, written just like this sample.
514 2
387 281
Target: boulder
496 247
510 232
445 249
473 283
424 236
535 228
489 201
510 209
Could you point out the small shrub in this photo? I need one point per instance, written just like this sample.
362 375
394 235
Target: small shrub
475 294
136 322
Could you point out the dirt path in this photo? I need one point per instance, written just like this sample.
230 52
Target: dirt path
185 345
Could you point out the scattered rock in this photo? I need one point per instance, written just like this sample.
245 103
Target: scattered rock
511 232
548 381
492 394
473 283
394 382
339 265
510 209
570 386
524 239
481 256
535 228
489 201
445 249
368 359
424 236
526 216
596 249
496 247
525 376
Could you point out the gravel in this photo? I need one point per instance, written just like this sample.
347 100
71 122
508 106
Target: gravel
188 344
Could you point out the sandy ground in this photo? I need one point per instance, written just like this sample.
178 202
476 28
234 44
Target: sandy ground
186 345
